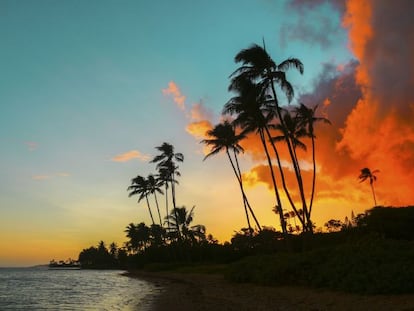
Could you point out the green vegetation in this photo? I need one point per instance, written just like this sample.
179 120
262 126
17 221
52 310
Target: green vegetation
370 254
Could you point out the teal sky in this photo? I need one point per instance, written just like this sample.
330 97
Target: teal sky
81 82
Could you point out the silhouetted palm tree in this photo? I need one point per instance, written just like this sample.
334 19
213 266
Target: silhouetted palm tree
166 160
154 186
366 174
138 236
307 118
139 186
258 66
254 113
223 136
181 219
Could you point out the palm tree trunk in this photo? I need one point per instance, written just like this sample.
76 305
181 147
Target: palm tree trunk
241 188
313 175
282 174
297 171
149 209
166 203
373 194
276 191
174 205
158 208
244 193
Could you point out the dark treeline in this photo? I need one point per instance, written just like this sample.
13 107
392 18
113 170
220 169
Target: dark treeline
360 254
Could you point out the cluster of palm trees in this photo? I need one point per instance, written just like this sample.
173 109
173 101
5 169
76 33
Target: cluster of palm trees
255 109
176 224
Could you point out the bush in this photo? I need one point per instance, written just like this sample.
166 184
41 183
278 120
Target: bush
370 266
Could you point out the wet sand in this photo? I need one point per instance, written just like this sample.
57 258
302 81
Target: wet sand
184 292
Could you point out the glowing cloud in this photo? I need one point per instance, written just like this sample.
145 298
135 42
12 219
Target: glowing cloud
174 91
130 155
199 129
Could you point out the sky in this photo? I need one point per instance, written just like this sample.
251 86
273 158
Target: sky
88 89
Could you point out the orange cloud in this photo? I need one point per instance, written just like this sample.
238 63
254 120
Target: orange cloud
130 155
199 129
174 91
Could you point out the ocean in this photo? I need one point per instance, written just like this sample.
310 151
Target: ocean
44 289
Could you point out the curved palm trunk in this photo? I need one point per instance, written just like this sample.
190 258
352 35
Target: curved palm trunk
313 175
149 209
238 179
158 209
308 226
276 191
244 193
282 174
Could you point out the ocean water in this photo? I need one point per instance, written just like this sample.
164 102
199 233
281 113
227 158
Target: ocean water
44 289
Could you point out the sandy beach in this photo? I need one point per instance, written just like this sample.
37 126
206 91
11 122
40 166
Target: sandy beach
179 291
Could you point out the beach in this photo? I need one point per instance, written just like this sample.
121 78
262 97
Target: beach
183 291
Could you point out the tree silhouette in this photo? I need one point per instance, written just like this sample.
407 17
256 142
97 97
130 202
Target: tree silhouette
139 186
257 66
223 136
166 162
181 218
154 186
253 114
307 118
366 174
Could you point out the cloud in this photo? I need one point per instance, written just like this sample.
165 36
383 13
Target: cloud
371 106
379 130
31 145
130 155
174 91
63 174
313 26
199 129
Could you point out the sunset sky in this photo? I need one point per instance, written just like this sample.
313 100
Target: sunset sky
89 88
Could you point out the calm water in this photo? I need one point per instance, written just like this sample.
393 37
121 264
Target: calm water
43 289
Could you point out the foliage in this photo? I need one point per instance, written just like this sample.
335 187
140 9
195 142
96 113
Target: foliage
371 266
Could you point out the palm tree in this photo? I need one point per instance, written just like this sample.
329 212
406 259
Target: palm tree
139 186
258 66
306 117
181 219
366 174
164 177
223 136
253 113
154 186
166 160
138 236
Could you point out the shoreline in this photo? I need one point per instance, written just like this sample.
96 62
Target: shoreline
184 292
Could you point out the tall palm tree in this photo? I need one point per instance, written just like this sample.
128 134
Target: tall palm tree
166 160
295 131
223 136
307 117
258 66
164 177
253 113
366 174
154 186
139 186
